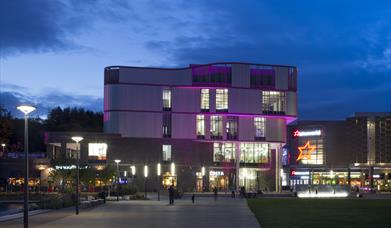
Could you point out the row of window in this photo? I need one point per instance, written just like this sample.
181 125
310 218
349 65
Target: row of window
221 75
273 102
226 152
231 127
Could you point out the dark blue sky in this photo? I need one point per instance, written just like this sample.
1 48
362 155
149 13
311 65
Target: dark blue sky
53 52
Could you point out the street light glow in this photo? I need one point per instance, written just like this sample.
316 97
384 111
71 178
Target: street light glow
159 169
145 171
203 171
26 109
133 169
117 161
173 169
77 138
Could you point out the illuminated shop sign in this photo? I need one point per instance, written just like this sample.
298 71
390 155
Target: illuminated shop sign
305 151
299 173
298 133
215 173
97 151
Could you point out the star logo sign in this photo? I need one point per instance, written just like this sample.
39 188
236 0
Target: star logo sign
296 133
305 151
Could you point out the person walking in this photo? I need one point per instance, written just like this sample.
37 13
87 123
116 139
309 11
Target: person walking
171 194
192 198
215 192
233 194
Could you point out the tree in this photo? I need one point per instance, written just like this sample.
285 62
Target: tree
107 174
74 119
6 126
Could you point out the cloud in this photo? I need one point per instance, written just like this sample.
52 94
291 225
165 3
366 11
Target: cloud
42 26
48 100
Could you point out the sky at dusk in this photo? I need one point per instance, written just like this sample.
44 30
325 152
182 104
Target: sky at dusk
53 52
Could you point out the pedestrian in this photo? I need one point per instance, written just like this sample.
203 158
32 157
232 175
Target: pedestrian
215 192
171 194
233 194
192 198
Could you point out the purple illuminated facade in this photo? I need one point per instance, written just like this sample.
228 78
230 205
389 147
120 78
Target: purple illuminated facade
221 125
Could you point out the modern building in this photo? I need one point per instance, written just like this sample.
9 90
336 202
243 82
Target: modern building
215 125
355 151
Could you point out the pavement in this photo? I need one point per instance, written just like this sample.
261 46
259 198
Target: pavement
206 212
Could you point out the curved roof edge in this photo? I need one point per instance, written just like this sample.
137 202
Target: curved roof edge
197 65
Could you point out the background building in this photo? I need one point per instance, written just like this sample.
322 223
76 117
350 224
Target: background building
354 151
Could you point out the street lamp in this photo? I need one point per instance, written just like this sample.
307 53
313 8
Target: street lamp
159 172
117 161
203 177
77 139
145 180
3 145
26 109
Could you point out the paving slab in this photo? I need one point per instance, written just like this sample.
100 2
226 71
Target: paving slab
206 212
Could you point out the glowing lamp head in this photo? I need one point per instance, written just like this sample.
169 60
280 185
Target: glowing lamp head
159 169
133 169
173 169
77 138
26 109
203 171
3 145
145 171
117 161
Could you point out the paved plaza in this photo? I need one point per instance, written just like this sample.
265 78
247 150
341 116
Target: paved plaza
206 212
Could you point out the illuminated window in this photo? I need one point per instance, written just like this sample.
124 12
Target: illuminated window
167 99
223 152
166 152
259 123
167 125
273 102
316 154
216 127
205 100
97 151
232 127
222 100
200 126
254 152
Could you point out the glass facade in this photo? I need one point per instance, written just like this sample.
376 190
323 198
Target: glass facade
232 127
221 99
166 152
273 102
200 126
316 155
223 152
216 127
254 153
259 123
205 100
166 99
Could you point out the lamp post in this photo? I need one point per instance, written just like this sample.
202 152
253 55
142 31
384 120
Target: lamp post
26 109
117 161
145 180
203 177
77 139
159 172
3 145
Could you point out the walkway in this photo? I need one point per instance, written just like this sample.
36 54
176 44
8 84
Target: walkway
225 212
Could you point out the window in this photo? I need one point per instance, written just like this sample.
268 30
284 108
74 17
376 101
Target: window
216 127
273 102
200 126
218 75
223 152
232 127
205 100
97 151
316 155
262 77
166 152
259 124
254 153
167 99
222 100
166 125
